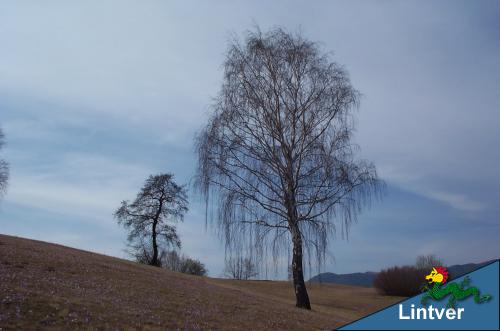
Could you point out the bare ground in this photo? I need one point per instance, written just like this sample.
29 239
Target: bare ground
48 286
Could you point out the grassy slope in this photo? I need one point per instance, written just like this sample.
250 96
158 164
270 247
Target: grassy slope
46 286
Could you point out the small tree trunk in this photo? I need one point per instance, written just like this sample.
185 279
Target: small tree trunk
154 260
302 298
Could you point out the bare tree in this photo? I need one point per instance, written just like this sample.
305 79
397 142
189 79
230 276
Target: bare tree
172 261
4 168
240 268
276 156
160 202
427 262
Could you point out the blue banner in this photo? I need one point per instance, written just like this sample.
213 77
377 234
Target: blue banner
469 313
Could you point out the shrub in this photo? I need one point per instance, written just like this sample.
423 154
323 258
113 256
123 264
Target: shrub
400 281
193 267
141 254
173 261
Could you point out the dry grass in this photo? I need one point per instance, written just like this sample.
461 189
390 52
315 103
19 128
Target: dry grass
47 286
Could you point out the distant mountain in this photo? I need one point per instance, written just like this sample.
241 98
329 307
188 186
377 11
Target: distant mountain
366 278
458 270
357 278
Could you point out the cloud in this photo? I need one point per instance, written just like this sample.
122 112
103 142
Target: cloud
418 183
139 75
79 185
95 96
458 201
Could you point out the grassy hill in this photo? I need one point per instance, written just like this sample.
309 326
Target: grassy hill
48 286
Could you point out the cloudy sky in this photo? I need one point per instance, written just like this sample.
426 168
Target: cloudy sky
97 95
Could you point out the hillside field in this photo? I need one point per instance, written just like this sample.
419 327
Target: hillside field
48 286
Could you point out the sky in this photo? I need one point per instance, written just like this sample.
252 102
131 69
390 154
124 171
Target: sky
97 95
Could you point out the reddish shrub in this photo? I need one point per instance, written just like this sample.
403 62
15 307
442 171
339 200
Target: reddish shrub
400 281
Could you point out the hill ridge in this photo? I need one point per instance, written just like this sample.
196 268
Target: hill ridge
366 278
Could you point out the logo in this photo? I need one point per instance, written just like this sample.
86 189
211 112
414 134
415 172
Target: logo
432 308
437 290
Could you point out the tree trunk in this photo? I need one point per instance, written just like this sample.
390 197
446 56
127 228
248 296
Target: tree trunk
156 219
302 298
154 260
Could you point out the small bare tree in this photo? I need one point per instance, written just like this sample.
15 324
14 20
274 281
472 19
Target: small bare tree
240 268
172 261
276 156
427 262
4 168
160 202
